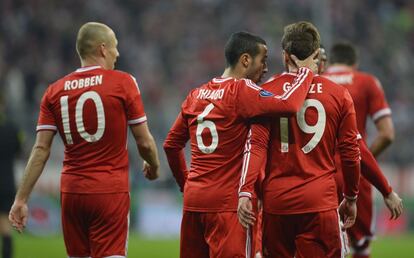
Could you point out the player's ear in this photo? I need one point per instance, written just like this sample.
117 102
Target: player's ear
245 60
102 50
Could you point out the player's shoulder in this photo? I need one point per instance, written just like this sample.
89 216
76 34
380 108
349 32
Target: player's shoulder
367 78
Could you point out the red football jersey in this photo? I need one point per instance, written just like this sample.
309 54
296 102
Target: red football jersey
300 150
366 92
215 117
91 108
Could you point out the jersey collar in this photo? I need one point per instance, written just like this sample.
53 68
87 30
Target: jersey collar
87 68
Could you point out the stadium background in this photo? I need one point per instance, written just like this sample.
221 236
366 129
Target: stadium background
173 46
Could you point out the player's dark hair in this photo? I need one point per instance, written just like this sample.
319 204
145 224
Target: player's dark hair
301 39
343 53
239 44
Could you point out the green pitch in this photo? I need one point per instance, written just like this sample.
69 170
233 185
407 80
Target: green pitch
52 247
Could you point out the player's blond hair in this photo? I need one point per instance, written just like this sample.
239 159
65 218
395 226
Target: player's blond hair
301 39
90 36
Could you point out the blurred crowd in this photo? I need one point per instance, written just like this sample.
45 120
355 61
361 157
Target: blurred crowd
175 45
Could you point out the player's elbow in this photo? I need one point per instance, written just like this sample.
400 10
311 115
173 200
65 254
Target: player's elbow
41 151
146 146
388 137
171 146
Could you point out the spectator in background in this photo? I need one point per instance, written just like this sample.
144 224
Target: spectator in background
10 146
91 109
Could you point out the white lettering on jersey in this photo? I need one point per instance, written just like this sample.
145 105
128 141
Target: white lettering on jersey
341 79
83 83
210 94
316 88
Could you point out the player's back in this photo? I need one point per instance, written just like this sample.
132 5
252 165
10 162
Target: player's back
217 135
365 90
91 108
299 172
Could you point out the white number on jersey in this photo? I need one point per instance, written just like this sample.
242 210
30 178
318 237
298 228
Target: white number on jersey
202 124
80 126
317 130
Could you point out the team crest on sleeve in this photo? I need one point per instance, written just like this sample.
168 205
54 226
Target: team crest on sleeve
265 93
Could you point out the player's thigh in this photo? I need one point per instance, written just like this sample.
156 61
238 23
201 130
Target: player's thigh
226 237
278 236
75 225
109 225
192 242
320 236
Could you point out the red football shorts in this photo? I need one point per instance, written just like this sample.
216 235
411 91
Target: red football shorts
95 225
214 235
310 235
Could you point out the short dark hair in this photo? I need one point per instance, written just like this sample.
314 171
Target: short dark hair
301 39
343 53
239 44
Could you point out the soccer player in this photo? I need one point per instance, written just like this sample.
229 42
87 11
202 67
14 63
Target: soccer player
91 108
300 217
215 118
369 100
10 146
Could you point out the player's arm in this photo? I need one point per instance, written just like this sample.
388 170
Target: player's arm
255 155
147 150
255 101
385 135
350 158
381 115
40 153
174 149
372 172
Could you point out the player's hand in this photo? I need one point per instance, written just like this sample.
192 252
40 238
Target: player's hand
394 204
310 62
18 215
348 212
150 172
245 212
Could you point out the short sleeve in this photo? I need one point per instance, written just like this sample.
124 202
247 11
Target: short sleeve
134 106
46 119
378 106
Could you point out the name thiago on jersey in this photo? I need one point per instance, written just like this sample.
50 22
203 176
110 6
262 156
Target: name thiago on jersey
83 83
210 94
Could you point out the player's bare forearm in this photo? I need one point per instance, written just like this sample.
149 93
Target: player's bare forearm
145 144
33 170
148 151
379 145
385 135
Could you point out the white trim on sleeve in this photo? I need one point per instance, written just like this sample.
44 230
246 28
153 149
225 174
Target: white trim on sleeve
138 120
245 194
382 112
46 127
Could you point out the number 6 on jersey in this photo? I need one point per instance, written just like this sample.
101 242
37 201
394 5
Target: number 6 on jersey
203 124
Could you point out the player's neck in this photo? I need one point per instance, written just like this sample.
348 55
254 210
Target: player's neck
292 69
233 73
92 62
